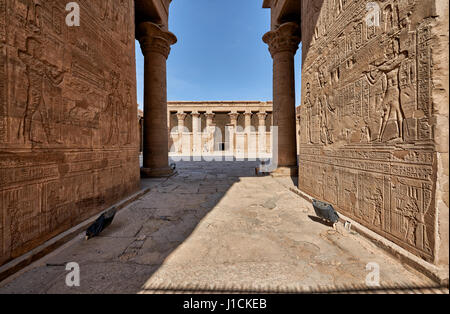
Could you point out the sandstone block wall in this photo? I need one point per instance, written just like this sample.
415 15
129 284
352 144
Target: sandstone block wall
374 116
68 123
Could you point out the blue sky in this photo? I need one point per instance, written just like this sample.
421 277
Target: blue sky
220 54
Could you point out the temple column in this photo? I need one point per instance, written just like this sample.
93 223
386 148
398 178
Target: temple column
283 44
210 129
155 45
181 116
248 129
233 121
262 142
196 133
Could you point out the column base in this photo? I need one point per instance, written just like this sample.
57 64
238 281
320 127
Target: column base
157 172
287 171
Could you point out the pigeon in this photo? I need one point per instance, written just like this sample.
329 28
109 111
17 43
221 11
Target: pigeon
101 223
325 211
173 166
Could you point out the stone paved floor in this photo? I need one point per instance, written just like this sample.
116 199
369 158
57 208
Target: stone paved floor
214 226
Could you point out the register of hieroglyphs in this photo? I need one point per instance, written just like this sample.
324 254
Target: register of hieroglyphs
68 131
374 116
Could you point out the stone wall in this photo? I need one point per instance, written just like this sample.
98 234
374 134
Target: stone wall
374 116
68 132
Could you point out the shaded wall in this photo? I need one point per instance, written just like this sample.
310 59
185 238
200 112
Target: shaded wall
69 139
374 123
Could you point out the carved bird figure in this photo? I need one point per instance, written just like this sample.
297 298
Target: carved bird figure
325 211
101 223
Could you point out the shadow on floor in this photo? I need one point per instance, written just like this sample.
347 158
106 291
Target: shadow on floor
321 221
142 236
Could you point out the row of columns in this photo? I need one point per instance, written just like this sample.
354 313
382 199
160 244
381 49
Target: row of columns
155 44
234 116
209 133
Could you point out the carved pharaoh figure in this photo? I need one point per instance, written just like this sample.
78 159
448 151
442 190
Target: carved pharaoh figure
391 103
114 105
37 71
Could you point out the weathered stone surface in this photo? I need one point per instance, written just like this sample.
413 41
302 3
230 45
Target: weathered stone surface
374 130
68 131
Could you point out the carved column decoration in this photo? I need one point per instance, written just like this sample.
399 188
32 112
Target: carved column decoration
233 118
181 116
209 118
262 119
155 45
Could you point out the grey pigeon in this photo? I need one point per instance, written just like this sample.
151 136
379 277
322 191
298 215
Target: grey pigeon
101 223
325 211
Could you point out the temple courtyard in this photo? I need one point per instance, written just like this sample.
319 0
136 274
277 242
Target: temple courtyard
217 227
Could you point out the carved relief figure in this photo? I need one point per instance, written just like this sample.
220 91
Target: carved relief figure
29 14
391 104
129 115
338 7
415 226
326 137
391 18
37 71
377 201
309 108
114 105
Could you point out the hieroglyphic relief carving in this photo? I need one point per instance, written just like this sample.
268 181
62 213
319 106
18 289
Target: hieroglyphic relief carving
391 103
115 105
2 21
28 14
67 144
367 117
3 98
37 71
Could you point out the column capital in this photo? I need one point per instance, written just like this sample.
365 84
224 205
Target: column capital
195 114
262 118
285 38
181 115
262 115
210 115
233 115
154 39
248 114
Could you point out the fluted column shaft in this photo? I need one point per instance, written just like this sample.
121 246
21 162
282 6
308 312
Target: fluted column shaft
155 45
283 44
